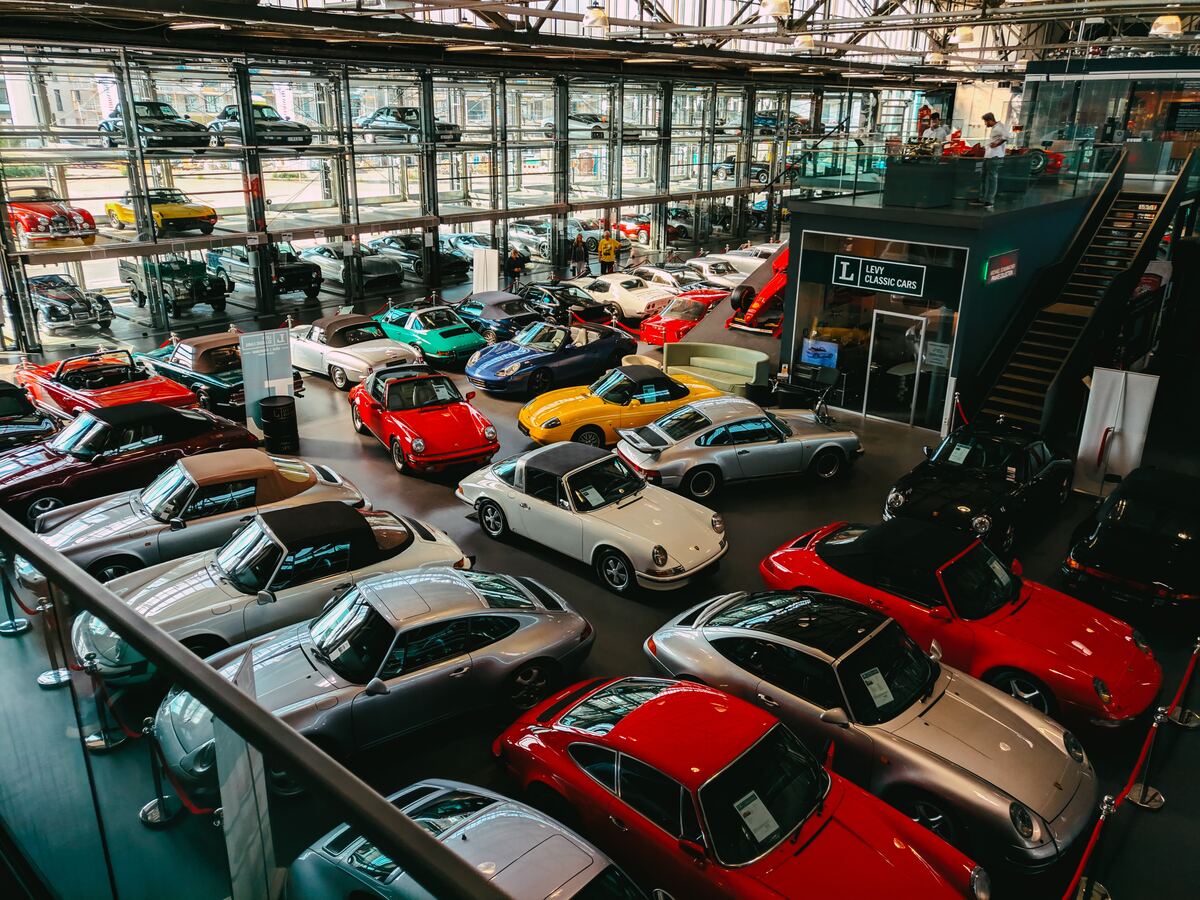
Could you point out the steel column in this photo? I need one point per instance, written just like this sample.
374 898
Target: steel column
429 182
658 222
562 161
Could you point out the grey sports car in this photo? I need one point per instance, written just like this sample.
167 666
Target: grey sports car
195 505
966 760
522 851
392 654
698 447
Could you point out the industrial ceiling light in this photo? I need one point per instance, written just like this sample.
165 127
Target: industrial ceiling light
803 42
780 9
964 36
1094 20
1167 26
937 58
196 26
595 16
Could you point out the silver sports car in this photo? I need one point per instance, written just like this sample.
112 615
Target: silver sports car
195 505
394 653
523 852
961 757
698 447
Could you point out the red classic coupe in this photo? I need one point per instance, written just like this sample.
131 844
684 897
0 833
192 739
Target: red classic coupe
637 228
39 214
702 795
104 378
106 451
1041 646
675 320
421 417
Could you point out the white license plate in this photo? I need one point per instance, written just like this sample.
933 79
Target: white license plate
81 315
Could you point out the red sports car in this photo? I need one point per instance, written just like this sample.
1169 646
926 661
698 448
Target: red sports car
423 419
1044 162
1041 646
702 795
39 214
106 451
677 318
105 378
637 228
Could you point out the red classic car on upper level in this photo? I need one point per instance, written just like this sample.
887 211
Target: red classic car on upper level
106 451
637 228
104 378
701 795
676 319
1050 650
421 417
39 214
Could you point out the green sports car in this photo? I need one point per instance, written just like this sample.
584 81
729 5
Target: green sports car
437 330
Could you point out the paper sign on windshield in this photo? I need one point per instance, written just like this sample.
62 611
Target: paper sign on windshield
877 685
999 569
592 496
959 453
757 817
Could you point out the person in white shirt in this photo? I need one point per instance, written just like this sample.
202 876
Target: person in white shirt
937 132
994 149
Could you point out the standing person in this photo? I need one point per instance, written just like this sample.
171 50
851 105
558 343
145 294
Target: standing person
514 268
993 152
607 251
579 257
936 132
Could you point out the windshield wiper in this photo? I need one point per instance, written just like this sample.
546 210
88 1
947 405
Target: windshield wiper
934 671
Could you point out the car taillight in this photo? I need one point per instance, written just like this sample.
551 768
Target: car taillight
586 633
652 647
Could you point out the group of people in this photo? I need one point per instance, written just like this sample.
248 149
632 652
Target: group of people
579 256
994 148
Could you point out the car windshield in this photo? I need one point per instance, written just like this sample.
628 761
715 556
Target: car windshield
351 637
414 393
575 295
885 676
357 334
249 558
721 268
682 422
165 496
686 309
540 336
83 438
979 584
155 111
473 240
439 318
267 114
615 387
779 423
167 195
53 281
44 194
980 452
220 359
761 798
602 483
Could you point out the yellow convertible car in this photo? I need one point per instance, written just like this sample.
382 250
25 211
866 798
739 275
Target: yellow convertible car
624 397
173 210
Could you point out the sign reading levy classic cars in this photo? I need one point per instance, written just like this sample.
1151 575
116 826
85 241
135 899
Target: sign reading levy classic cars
879 275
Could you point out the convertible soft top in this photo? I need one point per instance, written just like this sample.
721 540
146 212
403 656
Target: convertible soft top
328 522
331 324
274 483
905 552
559 459
492 298
134 413
642 374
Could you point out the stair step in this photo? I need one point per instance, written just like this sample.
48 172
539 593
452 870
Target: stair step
1052 335
1025 407
1046 377
990 411
1067 311
1019 396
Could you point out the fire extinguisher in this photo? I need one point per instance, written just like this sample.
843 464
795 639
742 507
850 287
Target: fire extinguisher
924 117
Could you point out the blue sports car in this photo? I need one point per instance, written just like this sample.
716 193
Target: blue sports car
497 315
545 355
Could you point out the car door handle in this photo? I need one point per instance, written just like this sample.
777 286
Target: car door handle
523 505
742 452
245 518
460 672
873 601
344 586
618 824
767 701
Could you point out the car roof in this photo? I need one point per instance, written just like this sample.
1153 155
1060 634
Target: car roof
227 465
830 625
566 456
329 521
344 320
899 541
726 408
133 413
203 342
491 298
427 593
1159 486
641 374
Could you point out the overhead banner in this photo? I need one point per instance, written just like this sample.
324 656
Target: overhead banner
266 368
879 275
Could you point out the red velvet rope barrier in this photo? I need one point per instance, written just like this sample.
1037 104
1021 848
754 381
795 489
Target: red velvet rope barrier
962 415
187 801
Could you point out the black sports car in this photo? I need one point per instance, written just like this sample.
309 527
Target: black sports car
61 303
409 251
563 303
270 128
20 421
156 125
497 315
1141 544
989 479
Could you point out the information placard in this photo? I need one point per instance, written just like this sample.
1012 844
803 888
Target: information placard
879 275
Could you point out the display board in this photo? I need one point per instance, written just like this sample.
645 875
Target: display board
486 268
266 367
1114 427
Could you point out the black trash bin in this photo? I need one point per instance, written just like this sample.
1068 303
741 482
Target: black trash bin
281 432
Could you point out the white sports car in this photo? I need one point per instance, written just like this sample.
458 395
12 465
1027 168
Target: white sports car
717 270
626 295
591 505
748 260
282 568
347 348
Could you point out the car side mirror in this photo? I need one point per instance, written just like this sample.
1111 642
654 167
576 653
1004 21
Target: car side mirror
469 396
634 401
836 716
176 523
265 597
694 850
939 612
376 688
1016 568
935 651
564 504
927 450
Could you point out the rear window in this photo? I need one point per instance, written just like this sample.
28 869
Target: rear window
683 422
602 711
497 591
292 469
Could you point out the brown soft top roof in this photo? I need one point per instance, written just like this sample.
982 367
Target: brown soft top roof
344 320
278 477
203 342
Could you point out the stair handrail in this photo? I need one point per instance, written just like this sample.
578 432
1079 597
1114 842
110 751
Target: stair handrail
1048 285
1068 381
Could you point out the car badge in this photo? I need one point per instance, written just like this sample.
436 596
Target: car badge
696 547
1057 785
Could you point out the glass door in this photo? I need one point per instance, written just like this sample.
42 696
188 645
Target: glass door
894 366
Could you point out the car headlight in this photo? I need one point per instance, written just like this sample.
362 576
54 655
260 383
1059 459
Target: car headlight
981 524
1026 823
103 640
200 760
895 499
718 523
981 884
552 423
418 445
1074 748
474 358
489 433
510 369
1140 642
1102 691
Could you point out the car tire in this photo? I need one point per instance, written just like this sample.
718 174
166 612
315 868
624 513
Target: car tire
492 520
762 177
828 464
1038 161
539 382
104 324
589 435
205 645
532 683
1024 687
615 571
490 336
591 244
311 296
225 279
720 174
643 237
933 814
356 420
107 140
215 140
702 483
1064 490
552 803
39 505
22 235
114 567
398 459
206 229
615 313
219 306
115 222
340 379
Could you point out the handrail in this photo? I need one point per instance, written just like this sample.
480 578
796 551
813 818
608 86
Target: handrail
427 860
1047 285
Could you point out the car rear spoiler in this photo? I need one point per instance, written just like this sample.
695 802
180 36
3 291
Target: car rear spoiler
630 436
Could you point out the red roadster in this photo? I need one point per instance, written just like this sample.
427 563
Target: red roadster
39 214
105 378
679 317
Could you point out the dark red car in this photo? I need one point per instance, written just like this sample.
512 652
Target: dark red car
1041 646
701 795
39 214
105 451
637 228
106 378
424 421
20 421
677 318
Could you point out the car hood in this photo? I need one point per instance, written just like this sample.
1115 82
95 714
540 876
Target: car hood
568 402
157 390
34 461
24 429
974 727
497 356
171 123
97 520
446 429
1143 557
163 592
66 296
378 352
377 265
938 492
176 210
656 515
262 126
47 209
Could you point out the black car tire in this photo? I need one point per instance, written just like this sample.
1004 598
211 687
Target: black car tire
172 309
311 294
828 464
615 313
215 140
114 567
1038 161
108 140
225 279
615 571
932 814
356 420
720 174
589 435
39 505
137 297
643 237
398 460
681 232
702 483
105 323
762 177
115 222
1064 490
531 684
340 380
1024 687
591 244
539 382
206 229
492 520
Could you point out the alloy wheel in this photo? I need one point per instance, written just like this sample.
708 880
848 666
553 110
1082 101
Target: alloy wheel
398 459
590 436
339 378
41 506
929 815
702 484
615 572
109 571
827 464
491 519
356 420
1027 692
490 336
529 686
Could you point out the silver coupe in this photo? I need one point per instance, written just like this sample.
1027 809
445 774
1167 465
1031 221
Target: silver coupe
393 654
195 505
347 348
979 768
698 447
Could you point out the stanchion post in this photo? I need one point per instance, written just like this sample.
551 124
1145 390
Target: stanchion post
1181 715
162 810
1142 794
14 624
104 738
1090 889
54 676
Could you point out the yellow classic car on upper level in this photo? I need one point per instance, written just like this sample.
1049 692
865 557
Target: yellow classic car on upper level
173 210
624 397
